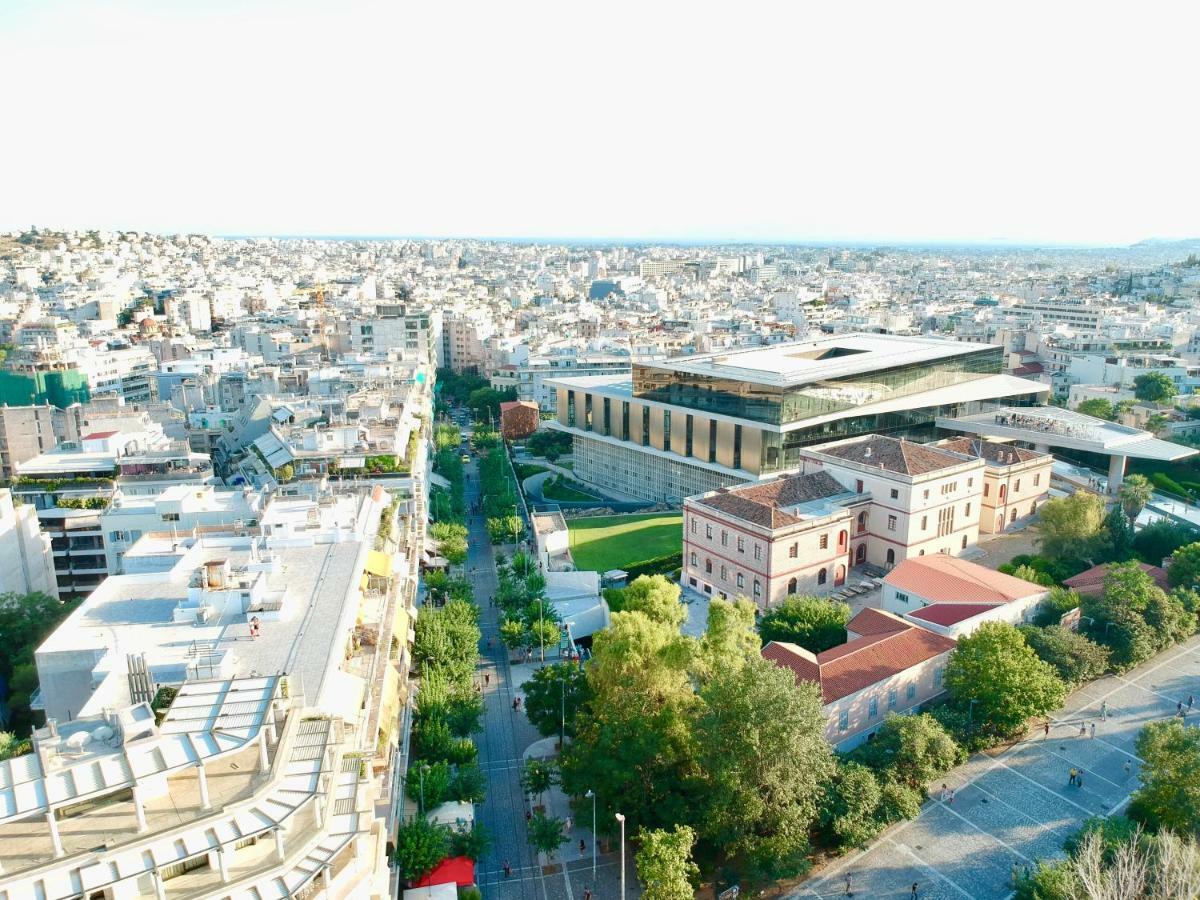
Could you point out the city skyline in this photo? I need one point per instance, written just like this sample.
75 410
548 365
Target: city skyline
872 125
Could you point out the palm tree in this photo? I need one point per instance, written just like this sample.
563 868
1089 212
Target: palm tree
1135 492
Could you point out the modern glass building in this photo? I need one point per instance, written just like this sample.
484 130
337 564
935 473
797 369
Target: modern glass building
691 424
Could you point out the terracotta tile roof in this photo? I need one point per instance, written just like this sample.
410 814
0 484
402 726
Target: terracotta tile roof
893 455
1092 581
946 614
994 453
941 578
864 661
762 504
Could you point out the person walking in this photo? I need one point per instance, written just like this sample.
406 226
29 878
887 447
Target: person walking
1128 767
1046 729
587 894
567 824
1093 729
487 678
507 866
1103 710
1179 708
945 792
849 892
951 796
1191 700
582 848
913 895
1079 779
1082 729
1073 773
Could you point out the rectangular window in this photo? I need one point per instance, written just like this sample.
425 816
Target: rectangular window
712 440
986 490
794 551
607 418
624 421
873 707
892 698
170 517
645 426
757 588
694 529
708 566
967 512
926 493
737 446
903 598
587 412
823 542
758 551
843 720
970 482
708 532
910 691
724 573
688 439
666 429
858 485
724 538
1037 479
741 545
693 557
1017 486
937 676
891 523
924 522
895 494
570 409
741 580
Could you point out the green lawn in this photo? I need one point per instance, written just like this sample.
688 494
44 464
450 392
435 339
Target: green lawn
525 470
601 543
555 489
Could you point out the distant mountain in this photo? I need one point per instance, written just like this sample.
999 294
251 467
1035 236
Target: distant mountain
1167 244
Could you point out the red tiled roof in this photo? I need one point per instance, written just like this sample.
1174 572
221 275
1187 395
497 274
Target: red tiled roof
995 454
942 578
517 404
760 503
879 654
947 614
98 435
893 455
1093 578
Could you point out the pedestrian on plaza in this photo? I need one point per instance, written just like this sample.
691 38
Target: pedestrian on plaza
582 848
1104 710
487 678
1073 773
1093 729
1191 700
567 824
849 892
951 801
587 894
515 702
1179 708
1082 729
914 891
528 817
1079 779
507 866
1046 729
1128 768
945 792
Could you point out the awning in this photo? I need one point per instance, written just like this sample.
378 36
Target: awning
364 581
458 870
379 564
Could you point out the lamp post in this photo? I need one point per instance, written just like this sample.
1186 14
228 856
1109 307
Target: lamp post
592 794
621 819
562 684
421 771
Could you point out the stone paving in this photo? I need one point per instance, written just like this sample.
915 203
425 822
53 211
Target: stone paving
1014 806
502 743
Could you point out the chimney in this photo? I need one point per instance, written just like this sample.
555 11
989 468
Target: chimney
867 453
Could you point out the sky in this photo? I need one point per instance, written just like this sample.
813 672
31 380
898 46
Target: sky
1048 122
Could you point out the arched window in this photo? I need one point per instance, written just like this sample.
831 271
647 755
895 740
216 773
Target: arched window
792 586
891 557
841 540
822 577
1002 492
860 555
1013 516
839 577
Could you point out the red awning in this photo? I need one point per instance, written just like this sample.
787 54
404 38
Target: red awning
457 869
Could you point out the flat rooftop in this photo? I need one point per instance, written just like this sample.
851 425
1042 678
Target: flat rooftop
787 365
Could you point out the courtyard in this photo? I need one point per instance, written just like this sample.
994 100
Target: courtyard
601 543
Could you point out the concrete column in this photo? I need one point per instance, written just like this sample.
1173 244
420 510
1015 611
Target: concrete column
272 731
160 891
1116 473
264 764
54 836
139 809
202 780
279 844
319 809
223 863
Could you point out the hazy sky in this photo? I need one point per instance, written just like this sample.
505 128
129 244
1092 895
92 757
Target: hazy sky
1047 121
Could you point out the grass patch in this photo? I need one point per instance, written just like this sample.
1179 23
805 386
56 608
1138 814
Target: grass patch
525 470
601 543
555 489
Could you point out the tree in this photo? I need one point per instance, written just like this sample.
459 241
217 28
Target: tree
913 749
420 846
1184 568
1156 423
1029 573
1071 525
664 863
1112 622
551 690
1000 673
1118 536
485 402
547 833
1135 492
11 745
814 623
469 785
1055 605
753 726
1098 407
504 528
1169 796
729 639
537 777
1128 582
656 596
1154 387
1158 540
472 842
1076 658
429 789
851 801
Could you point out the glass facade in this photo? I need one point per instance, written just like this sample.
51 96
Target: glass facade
784 405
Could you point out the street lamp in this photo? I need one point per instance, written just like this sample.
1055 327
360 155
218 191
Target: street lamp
421 771
621 819
592 794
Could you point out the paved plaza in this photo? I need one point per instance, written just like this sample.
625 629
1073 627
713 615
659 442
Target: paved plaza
1014 806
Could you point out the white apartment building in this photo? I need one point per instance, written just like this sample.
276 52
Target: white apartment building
26 559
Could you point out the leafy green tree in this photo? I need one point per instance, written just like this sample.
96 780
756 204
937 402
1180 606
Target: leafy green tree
514 634
1070 526
912 749
1135 492
505 529
729 639
755 722
1098 407
1108 620
813 623
1184 569
551 690
1118 543
420 846
656 596
469 785
1169 619
1029 573
1076 658
851 802
1130 583
546 833
1169 796
664 863
996 669
454 549
544 633
463 714
537 777
1158 540
473 842
1154 387
11 745
435 782
485 402
899 801
1056 604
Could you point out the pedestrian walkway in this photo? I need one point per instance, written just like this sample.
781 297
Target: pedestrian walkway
1015 806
